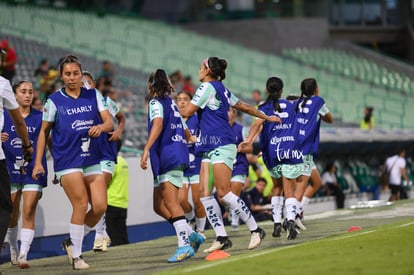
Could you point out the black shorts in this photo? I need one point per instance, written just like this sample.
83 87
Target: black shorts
395 189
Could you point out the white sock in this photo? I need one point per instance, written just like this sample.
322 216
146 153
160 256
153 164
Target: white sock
76 232
241 210
277 208
214 215
12 237
26 237
290 205
180 227
305 201
234 218
100 228
200 224
298 207
190 215
86 230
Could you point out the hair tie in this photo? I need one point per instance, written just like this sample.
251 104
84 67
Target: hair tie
205 62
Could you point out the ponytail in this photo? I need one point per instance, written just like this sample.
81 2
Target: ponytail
159 84
274 87
308 88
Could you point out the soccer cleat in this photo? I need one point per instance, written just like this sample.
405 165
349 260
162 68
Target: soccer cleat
220 243
277 230
299 223
196 240
98 245
181 254
22 262
101 244
292 232
67 246
256 238
13 257
202 234
78 263
107 241
284 225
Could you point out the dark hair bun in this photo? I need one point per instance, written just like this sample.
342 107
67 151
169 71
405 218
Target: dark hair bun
217 67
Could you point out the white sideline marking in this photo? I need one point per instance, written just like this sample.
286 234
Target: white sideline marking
353 235
407 224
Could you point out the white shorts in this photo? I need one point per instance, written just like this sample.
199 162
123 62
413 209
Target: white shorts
86 171
108 166
195 179
239 178
14 187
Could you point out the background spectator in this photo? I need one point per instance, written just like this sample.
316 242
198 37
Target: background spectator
188 85
396 166
257 97
107 73
368 121
258 204
8 66
331 186
118 196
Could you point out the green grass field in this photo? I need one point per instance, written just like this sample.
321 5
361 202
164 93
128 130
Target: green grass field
385 245
384 249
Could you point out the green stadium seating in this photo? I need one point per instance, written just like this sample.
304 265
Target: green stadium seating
354 67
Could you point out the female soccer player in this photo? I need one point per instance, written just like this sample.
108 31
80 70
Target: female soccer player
216 143
240 165
310 110
281 154
109 153
192 173
22 184
167 149
77 117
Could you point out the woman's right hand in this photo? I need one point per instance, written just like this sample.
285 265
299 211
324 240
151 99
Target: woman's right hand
38 170
243 145
144 159
4 136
